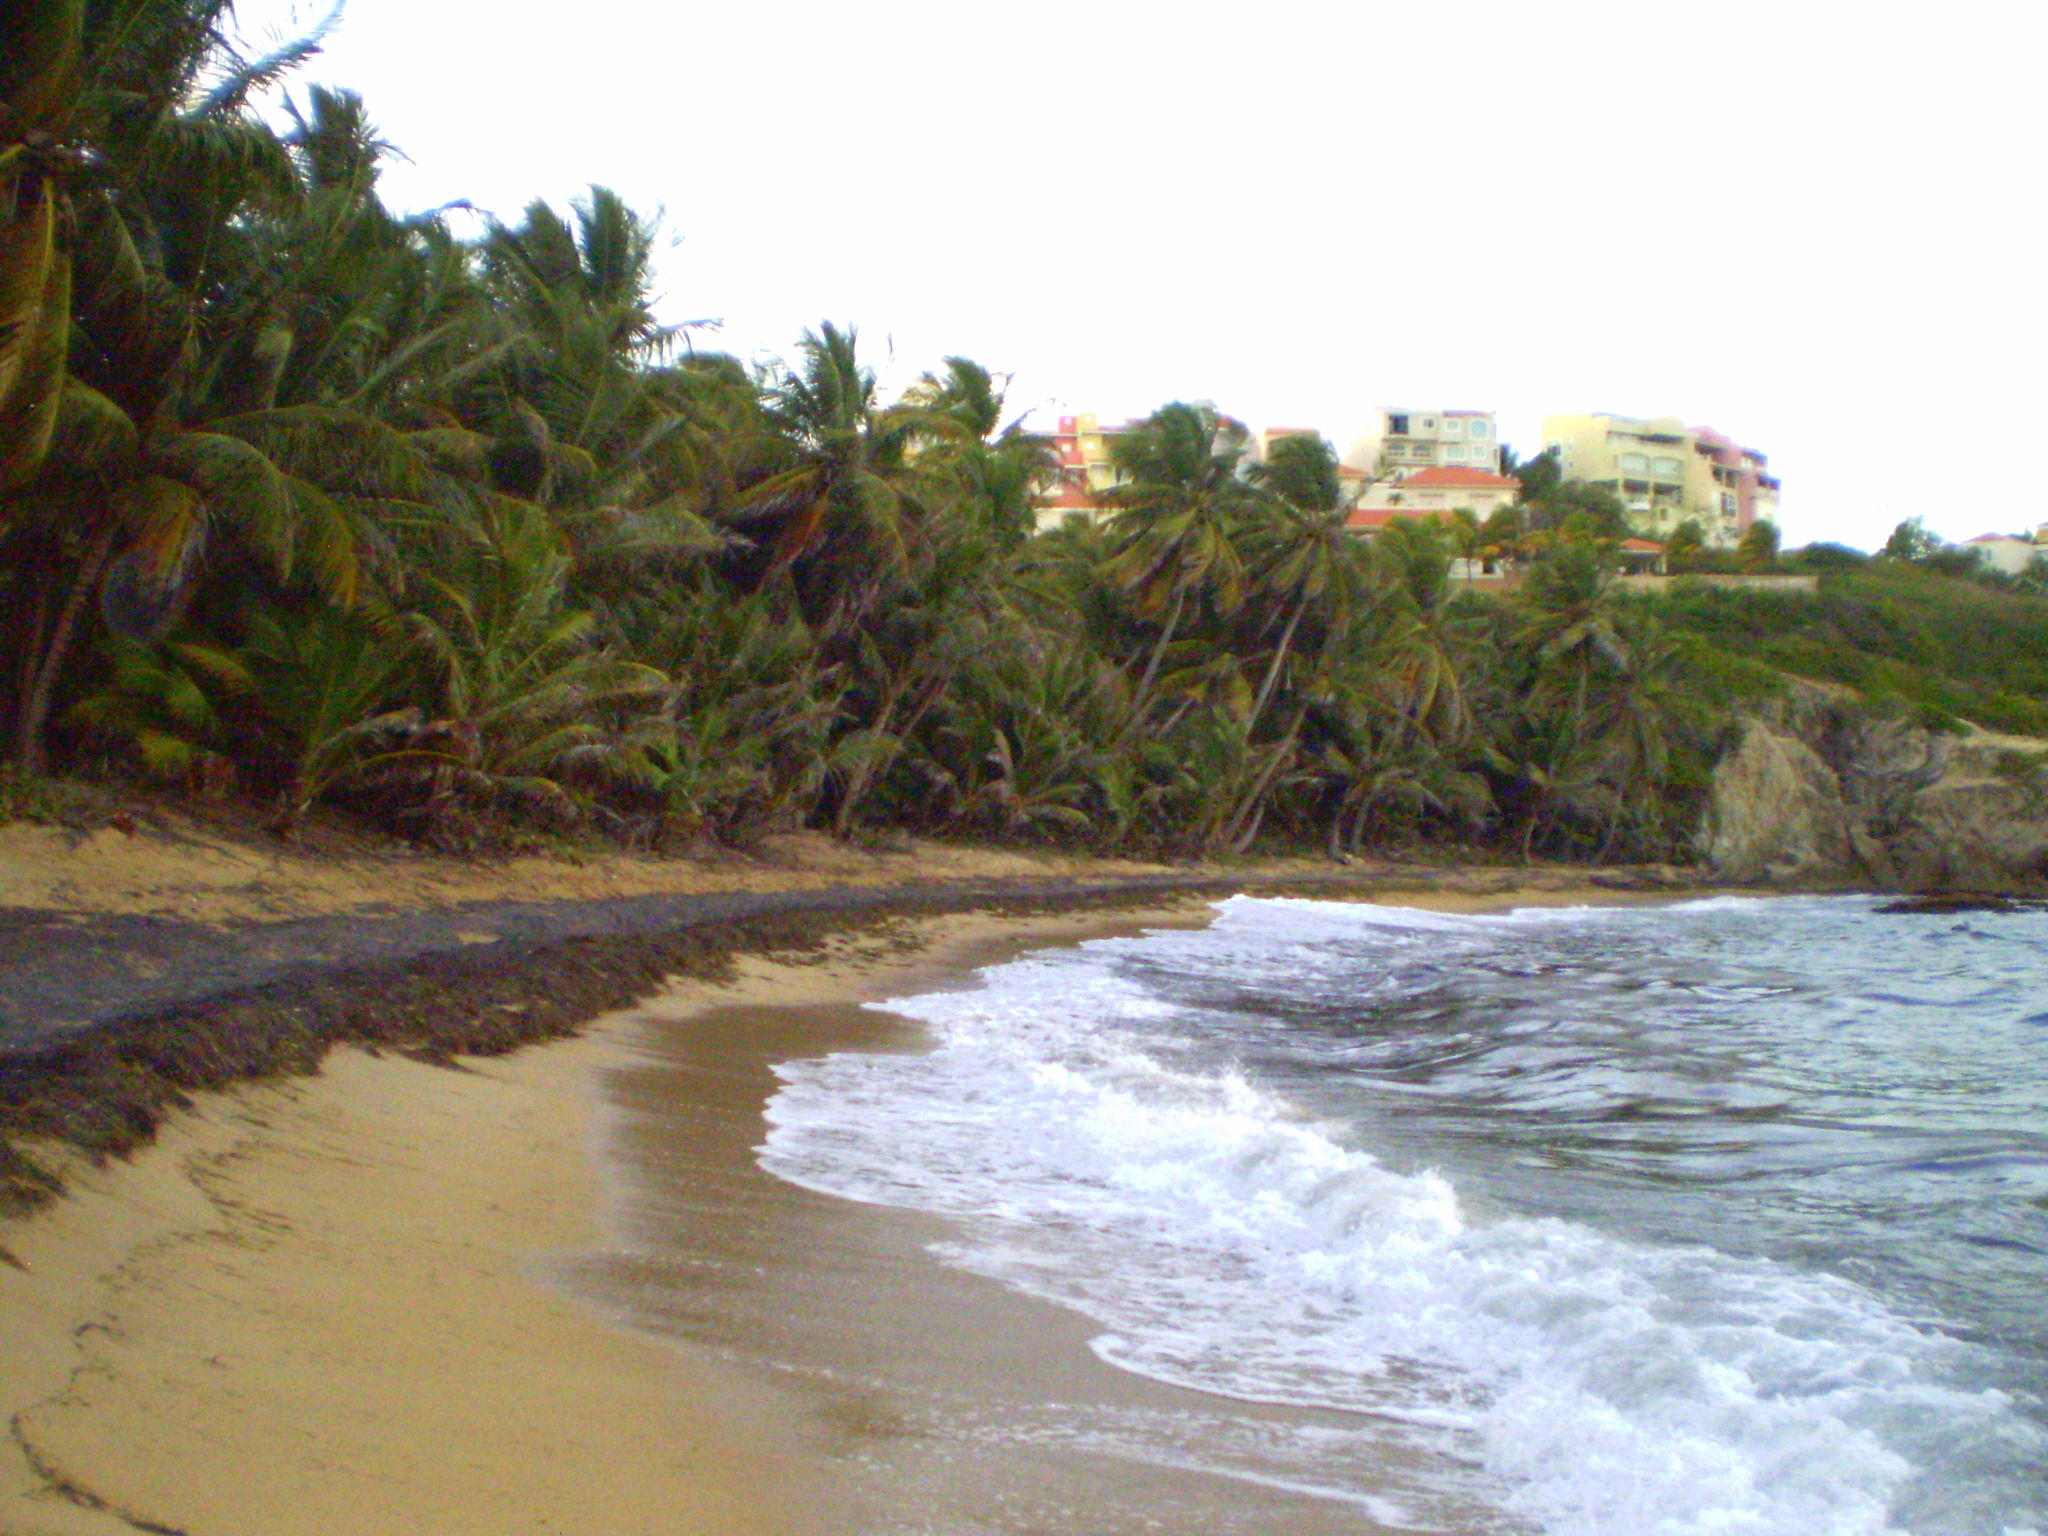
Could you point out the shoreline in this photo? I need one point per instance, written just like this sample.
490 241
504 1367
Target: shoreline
309 1257
90 1062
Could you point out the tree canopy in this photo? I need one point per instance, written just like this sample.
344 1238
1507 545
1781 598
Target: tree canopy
313 504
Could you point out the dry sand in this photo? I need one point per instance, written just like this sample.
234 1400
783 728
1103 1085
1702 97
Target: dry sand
310 1309
397 1298
174 866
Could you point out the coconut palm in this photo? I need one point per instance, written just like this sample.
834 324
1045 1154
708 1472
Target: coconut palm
840 507
1175 526
1415 635
573 398
107 491
328 687
1308 563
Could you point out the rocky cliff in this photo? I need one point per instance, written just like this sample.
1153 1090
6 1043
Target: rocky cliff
1820 790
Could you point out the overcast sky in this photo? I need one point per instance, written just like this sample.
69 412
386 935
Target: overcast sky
1811 226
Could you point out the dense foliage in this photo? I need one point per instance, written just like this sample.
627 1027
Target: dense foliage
1905 634
303 500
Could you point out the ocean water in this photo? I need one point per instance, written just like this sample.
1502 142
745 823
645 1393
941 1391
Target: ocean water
1727 1216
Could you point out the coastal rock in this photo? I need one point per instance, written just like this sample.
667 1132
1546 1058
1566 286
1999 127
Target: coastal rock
1775 812
1981 826
1820 790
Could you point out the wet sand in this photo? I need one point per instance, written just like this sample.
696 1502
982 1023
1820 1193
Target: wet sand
943 1402
553 1292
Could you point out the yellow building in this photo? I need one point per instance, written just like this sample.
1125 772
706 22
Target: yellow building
1666 472
1087 470
1081 445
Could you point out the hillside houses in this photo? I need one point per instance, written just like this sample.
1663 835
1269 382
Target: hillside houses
1428 462
1667 473
1434 492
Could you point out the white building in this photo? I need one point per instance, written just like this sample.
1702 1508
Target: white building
1404 441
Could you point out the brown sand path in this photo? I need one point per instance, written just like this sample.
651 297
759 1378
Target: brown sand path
112 926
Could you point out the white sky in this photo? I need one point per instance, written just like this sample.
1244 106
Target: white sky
1810 226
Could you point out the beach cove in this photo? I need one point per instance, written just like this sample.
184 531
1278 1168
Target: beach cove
393 1294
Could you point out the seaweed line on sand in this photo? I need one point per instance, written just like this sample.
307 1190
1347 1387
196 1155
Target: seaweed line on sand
69 1488
103 1091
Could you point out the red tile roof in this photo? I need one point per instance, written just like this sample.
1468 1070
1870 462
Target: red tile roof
1642 547
1379 517
1468 479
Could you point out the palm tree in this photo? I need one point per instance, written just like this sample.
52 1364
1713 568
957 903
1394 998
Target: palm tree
1175 528
1309 562
1579 664
99 472
842 507
1416 638
519 689
327 687
994 467
576 386
1308 569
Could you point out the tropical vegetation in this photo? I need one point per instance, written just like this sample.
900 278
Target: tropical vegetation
313 504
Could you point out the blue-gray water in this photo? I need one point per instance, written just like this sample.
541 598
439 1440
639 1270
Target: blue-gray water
1729 1216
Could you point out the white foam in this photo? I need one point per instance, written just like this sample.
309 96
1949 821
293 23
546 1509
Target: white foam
1224 1242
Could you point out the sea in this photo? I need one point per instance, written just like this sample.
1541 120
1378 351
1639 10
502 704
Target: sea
1722 1216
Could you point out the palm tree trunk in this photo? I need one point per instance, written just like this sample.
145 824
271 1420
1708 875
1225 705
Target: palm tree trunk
1271 680
1367 802
30 748
1251 810
1141 698
30 650
862 779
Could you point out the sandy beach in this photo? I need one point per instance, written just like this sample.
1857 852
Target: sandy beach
552 1291
390 1297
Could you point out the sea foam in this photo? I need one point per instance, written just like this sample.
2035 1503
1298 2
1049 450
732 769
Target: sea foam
1094 1148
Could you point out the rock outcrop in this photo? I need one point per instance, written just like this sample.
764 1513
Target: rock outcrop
1820 790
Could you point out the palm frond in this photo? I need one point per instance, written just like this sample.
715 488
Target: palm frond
35 327
239 77
95 441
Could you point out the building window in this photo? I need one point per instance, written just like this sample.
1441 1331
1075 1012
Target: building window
1452 426
1455 451
1633 464
1397 423
1479 429
1429 423
1668 469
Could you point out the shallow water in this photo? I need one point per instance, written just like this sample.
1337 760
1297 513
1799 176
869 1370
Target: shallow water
1728 1216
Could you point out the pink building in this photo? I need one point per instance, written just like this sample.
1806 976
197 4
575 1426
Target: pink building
1745 490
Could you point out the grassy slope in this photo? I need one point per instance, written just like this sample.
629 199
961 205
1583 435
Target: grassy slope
1943 647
